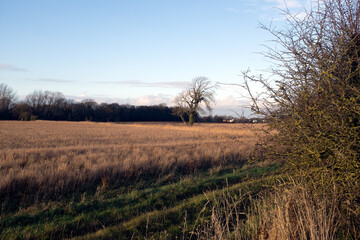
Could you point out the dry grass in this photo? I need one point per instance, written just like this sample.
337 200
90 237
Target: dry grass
44 160
295 212
290 212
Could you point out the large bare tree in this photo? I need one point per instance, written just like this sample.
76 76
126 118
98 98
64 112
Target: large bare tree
191 101
7 99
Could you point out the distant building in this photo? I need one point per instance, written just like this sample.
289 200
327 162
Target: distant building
228 120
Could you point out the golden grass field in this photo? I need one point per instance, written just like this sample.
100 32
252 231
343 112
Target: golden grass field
48 159
87 180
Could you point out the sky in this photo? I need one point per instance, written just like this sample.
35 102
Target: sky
141 52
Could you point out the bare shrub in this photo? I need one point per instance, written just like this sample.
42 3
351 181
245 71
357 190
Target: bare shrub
312 99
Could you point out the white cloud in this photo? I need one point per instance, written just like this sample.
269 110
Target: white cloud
233 10
300 15
229 105
283 4
230 102
269 9
53 80
152 100
251 2
168 84
143 100
8 67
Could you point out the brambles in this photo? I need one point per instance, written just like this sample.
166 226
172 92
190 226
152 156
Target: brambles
313 99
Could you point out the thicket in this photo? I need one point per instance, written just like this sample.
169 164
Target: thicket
312 102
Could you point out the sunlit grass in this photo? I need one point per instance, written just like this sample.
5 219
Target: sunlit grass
66 179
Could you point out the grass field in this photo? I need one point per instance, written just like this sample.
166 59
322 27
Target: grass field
63 180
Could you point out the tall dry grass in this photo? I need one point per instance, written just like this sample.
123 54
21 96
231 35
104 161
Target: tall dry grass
45 160
291 211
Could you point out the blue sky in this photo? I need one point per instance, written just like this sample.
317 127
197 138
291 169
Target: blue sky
133 51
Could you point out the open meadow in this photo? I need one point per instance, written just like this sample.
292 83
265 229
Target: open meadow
93 180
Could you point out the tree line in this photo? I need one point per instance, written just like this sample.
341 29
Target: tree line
48 105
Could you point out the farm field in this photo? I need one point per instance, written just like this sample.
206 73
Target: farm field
63 180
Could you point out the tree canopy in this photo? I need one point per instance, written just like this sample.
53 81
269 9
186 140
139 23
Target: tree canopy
200 91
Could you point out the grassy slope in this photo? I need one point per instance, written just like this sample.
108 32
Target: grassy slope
144 209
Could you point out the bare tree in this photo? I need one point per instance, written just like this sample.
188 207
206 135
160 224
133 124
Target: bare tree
7 99
312 97
39 98
45 104
200 92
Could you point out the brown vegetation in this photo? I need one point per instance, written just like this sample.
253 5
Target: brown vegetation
291 211
312 101
44 160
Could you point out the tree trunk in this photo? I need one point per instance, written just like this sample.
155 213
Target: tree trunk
191 119
182 118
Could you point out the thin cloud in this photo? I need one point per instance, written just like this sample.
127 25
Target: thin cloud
153 100
173 84
251 2
52 80
8 67
231 102
169 84
284 4
232 106
142 100
295 7
233 10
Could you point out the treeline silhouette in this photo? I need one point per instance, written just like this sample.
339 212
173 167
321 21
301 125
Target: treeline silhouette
47 105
